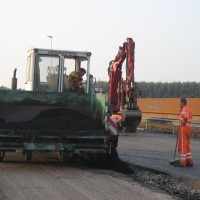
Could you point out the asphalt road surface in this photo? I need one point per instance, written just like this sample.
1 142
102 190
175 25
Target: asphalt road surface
155 150
46 178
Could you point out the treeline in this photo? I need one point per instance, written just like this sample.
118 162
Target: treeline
163 90
158 89
4 88
169 90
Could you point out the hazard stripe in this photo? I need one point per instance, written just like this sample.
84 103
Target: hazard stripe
113 131
113 121
113 126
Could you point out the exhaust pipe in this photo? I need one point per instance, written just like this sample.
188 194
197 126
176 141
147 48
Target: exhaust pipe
14 80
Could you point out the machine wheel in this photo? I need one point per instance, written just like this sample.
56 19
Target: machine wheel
28 155
64 155
130 129
73 158
115 142
2 155
112 158
114 154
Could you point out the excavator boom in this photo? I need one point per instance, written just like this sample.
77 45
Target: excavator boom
123 93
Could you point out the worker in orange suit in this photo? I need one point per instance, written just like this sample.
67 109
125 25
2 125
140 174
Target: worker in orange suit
184 149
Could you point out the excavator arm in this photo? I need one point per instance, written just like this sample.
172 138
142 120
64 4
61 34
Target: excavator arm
123 93
115 76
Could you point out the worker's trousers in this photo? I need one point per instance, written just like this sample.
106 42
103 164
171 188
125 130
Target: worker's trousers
184 149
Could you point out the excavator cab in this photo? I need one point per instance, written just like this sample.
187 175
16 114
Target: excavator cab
46 72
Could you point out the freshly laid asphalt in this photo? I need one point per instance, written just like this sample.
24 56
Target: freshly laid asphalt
155 150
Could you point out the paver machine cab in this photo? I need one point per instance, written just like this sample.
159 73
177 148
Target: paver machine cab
46 116
123 93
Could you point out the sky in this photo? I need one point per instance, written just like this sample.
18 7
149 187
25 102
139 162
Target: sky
166 35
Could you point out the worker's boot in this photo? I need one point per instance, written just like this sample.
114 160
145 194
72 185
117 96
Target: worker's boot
189 165
180 164
189 162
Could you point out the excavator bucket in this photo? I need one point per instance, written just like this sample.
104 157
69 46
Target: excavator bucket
131 119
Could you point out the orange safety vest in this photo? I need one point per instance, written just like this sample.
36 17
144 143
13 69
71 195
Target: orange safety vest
186 116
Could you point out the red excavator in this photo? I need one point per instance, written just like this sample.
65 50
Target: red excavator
123 93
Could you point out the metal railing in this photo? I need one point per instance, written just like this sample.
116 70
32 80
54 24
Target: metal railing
173 122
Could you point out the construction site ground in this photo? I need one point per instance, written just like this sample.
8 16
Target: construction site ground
150 153
46 178
142 171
